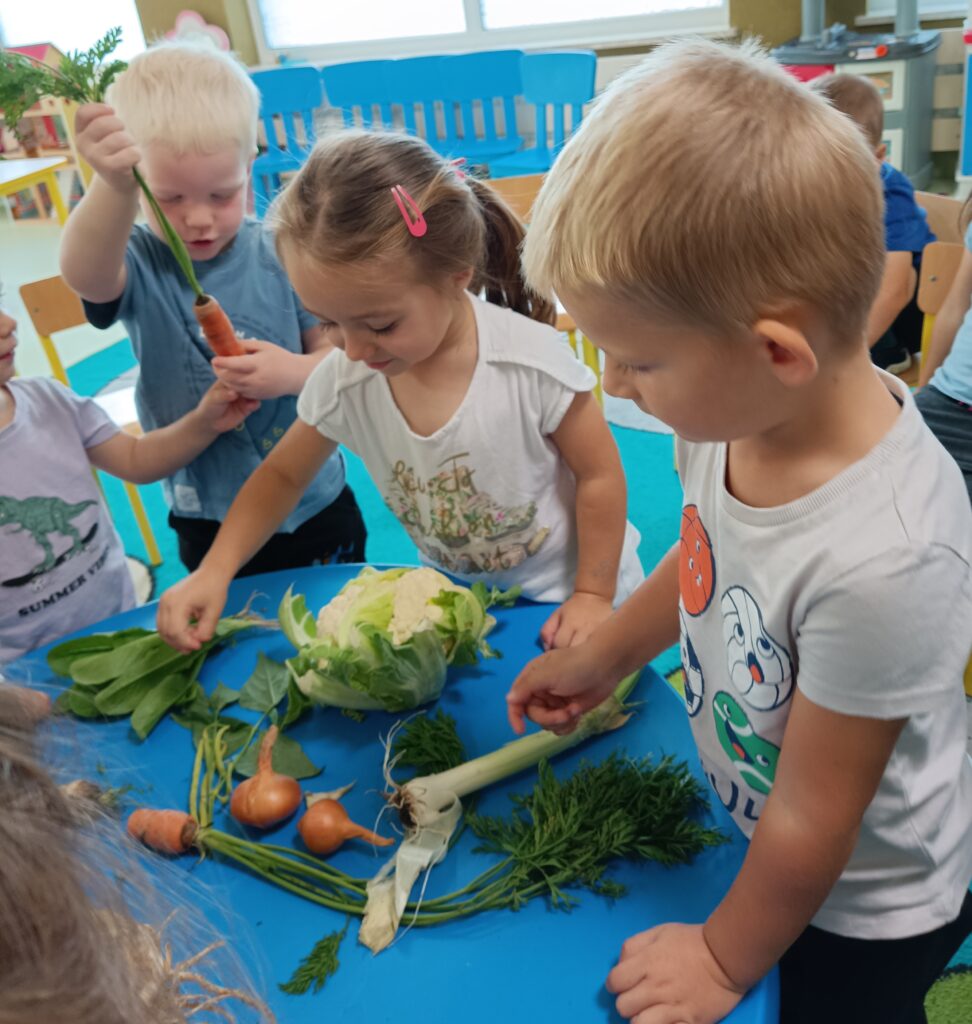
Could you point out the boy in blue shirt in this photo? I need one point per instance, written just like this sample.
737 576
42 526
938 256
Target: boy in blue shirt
894 326
187 116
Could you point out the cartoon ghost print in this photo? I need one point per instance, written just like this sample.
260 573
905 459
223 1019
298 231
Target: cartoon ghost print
694 684
760 668
696 563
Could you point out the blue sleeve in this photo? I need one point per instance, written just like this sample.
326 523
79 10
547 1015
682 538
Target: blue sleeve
905 223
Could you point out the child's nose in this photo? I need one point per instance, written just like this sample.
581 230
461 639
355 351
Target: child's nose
199 215
7 325
357 348
614 381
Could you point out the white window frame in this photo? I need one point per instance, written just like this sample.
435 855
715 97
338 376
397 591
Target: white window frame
710 21
881 12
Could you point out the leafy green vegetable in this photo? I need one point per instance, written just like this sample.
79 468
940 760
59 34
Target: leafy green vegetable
385 640
318 965
429 744
267 687
133 671
288 759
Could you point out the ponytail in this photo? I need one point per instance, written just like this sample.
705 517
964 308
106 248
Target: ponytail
501 275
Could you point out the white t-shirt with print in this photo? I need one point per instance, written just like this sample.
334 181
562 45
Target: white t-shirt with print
487 496
860 594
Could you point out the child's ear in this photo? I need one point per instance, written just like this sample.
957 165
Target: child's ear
788 353
881 152
463 279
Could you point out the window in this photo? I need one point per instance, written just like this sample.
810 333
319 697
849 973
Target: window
391 28
70 25
884 10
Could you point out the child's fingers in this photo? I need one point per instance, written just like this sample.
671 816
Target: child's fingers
548 631
515 714
89 112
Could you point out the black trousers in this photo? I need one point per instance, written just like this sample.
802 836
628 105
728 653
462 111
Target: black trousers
831 979
336 534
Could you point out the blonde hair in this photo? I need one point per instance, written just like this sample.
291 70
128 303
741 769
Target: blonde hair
87 936
710 188
856 97
190 97
339 209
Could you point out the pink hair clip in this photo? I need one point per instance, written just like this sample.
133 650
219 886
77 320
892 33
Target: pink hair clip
417 226
457 166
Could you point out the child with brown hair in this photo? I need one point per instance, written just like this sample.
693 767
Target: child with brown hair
821 586
894 323
476 421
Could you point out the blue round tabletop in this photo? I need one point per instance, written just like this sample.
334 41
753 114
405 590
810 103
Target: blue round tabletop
536 964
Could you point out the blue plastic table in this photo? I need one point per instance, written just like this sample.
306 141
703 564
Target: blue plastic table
535 965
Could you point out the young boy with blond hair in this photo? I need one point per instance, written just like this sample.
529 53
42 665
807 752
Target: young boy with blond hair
186 115
821 585
894 323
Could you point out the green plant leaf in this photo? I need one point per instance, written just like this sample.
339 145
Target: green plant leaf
161 698
222 697
297 704
288 759
79 700
267 686
317 966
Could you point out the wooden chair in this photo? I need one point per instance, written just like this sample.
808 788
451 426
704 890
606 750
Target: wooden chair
520 193
53 307
939 265
943 215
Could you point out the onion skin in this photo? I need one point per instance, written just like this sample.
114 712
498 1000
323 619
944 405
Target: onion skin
326 826
268 797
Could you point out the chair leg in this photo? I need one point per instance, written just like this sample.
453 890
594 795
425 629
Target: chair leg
927 325
144 527
968 678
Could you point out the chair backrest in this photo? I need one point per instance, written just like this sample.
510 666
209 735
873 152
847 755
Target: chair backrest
943 215
52 307
558 84
358 89
519 192
939 265
289 96
416 83
479 93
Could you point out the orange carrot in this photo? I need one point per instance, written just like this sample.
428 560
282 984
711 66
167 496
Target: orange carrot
163 831
216 327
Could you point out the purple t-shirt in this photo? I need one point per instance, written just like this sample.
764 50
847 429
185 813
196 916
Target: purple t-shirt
62 566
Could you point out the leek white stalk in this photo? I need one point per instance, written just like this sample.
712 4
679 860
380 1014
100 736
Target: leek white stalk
430 808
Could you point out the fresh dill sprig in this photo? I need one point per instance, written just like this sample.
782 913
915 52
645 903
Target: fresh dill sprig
429 744
319 964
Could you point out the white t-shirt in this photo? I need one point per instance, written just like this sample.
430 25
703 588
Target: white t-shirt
487 496
860 594
62 566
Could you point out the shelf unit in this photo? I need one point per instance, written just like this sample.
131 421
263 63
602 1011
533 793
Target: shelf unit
53 121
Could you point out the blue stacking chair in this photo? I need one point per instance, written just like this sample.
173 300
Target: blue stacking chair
558 84
289 95
417 83
476 87
358 89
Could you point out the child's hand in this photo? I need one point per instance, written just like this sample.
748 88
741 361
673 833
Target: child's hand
266 371
555 689
104 143
668 974
189 610
222 408
574 621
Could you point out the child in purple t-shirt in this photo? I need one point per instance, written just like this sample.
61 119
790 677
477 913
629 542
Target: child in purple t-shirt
62 566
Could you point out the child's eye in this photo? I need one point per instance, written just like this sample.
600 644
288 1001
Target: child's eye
385 330
325 324
225 198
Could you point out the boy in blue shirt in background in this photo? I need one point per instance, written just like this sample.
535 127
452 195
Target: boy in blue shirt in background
187 116
894 326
